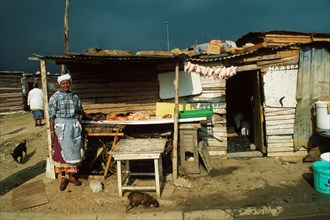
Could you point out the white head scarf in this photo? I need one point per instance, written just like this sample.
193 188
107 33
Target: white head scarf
64 77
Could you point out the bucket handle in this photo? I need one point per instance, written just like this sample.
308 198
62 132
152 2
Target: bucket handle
327 185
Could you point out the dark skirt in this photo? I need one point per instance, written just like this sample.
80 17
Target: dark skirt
60 164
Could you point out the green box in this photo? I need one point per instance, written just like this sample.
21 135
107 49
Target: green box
196 113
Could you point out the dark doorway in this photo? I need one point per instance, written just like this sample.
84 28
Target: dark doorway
244 112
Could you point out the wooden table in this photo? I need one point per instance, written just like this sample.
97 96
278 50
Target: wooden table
105 131
139 149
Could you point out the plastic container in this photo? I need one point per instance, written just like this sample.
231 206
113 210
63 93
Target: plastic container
196 113
245 128
322 115
321 170
325 157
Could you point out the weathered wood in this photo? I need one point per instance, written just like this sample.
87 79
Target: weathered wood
279 131
276 62
260 58
176 124
280 112
279 137
214 142
66 26
248 67
280 117
288 53
44 80
279 122
280 126
270 141
255 47
204 153
218 153
122 86
283 145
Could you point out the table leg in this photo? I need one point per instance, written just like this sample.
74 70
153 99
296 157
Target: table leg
157 176
128 178
119 178
161 169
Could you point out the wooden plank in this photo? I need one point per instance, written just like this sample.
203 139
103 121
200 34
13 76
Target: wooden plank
111 105
117 85
104 134
248 67
291 153
279 137
217 148
288 53
29 195
284 117
150 146
277 109
276 62
260 58
279 131
280 145
279 122
244 154
255 47
273 35
213 142
204 153
279 141
281 112
217 153
280 126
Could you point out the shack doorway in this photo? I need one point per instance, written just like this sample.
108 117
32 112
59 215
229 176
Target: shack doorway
244 114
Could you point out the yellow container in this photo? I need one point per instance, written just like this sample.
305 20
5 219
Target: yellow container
163 108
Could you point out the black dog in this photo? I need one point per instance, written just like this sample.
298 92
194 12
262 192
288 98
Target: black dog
139 198
18 151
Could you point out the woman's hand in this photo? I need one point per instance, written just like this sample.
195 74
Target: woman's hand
96 117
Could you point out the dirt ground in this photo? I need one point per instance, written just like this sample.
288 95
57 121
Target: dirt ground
231 183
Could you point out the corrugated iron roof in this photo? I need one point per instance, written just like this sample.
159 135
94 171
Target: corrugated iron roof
111 58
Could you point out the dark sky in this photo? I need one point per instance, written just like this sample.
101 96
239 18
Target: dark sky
36 26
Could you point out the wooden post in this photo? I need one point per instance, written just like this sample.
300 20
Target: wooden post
176 117
66 27
66 32
50 172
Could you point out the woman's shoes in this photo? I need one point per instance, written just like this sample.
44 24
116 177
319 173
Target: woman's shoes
74 181
64 183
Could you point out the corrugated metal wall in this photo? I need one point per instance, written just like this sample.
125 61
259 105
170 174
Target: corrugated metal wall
312 85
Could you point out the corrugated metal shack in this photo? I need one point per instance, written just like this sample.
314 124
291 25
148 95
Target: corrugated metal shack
15 87
120 83
110 81
264 89
272 70
13 92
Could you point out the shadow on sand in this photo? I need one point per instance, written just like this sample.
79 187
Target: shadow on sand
21 177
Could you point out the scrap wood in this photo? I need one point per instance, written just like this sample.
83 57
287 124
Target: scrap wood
29 195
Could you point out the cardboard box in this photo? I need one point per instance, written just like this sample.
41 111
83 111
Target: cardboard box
214 49
163 108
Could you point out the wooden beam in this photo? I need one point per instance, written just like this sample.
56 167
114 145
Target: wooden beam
51 172
176 126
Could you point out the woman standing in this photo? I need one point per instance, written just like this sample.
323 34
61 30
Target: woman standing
36 103
64 111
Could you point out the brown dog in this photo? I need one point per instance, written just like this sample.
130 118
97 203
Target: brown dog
139 198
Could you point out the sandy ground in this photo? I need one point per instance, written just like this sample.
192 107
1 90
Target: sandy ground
231 183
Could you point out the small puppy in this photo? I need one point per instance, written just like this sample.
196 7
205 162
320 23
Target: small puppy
18 151
139 198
